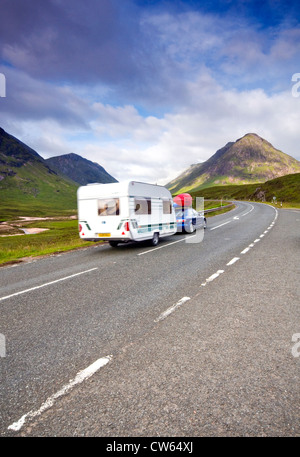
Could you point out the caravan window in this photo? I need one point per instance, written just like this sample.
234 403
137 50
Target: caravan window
167 207
108 207
142 205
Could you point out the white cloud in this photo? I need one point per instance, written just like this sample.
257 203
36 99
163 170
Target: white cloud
189 136
211 79
130 146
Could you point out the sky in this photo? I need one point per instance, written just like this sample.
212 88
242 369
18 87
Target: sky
146 88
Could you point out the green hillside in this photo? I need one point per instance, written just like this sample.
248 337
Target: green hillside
34 193
28 187
285 189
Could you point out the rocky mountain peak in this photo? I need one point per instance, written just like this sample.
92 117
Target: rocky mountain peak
249 159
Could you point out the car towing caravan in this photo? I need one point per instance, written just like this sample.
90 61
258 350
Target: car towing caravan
125 211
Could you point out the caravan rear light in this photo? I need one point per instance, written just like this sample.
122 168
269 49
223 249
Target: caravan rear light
80 227
126 226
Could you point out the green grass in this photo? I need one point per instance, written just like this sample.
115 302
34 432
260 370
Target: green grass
286 189
285 205
36 192
210 204
220 211
61 236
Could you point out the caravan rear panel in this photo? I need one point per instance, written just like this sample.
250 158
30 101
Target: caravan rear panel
122 212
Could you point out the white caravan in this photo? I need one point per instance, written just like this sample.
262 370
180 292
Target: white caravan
120 212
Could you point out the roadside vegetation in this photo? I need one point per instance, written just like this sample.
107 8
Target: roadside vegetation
211 204
285 189
61 226
220 211
61 235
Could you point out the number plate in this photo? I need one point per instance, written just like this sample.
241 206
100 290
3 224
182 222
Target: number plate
102 235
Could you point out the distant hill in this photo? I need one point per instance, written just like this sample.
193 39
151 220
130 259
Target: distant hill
80 170
29 185
285 189
250 159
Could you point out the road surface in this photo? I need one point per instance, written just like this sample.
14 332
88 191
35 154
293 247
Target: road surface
194 337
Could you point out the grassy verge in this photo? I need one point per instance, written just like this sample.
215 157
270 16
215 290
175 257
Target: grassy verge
286 189
220 211
285 205
210 204
61 236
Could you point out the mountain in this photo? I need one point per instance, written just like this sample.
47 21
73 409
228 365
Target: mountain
80 170
28 184
31 185
250 159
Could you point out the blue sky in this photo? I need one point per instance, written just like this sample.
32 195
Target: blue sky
146 88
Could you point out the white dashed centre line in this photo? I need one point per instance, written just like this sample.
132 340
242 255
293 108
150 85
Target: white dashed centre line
171 309
232 261
245 250
79 378
212 277
94 367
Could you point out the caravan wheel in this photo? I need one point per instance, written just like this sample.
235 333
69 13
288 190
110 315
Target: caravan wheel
155 239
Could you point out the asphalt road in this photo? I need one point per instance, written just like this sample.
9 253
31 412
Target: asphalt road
191 338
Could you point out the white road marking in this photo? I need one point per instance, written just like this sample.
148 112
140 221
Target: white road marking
212 277
164 246
172 309
234 218
245 214
46 284
93 368
245 250
232 261
79 378
217 226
